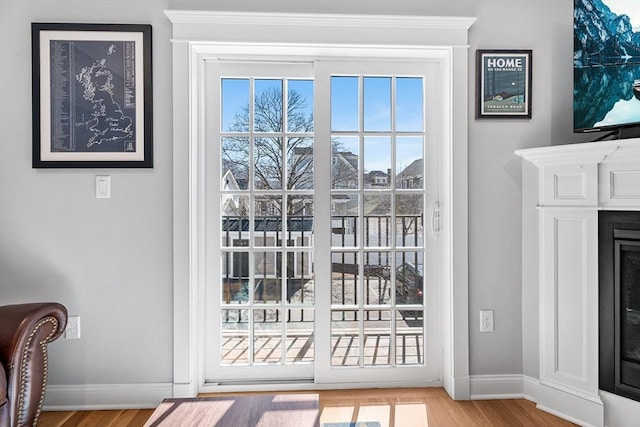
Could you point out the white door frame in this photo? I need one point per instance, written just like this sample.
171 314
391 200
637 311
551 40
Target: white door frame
198 35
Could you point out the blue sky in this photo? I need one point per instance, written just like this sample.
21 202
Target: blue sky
345 114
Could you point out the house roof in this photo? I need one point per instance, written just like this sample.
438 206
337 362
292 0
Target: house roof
414 169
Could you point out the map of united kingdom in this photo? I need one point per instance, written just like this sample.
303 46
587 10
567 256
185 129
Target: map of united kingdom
106 123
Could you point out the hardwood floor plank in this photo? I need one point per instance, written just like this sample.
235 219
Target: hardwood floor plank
132 418
438 415
54 418
541 417
405 407
465 413
498 413
92 418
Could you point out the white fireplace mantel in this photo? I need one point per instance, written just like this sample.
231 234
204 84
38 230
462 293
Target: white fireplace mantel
562 196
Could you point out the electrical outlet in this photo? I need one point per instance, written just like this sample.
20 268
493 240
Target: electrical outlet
72 331
486 320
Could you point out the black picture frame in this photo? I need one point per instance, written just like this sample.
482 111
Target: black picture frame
503 83
92 95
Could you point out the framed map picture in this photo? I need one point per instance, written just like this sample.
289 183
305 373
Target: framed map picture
503 84
92 96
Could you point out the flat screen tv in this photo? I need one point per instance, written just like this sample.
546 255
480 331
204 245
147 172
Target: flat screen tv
606 67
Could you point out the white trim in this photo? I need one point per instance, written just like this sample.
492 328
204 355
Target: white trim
87 397
319 20
194 39
484 387
574 154
311 386
530 388
516 386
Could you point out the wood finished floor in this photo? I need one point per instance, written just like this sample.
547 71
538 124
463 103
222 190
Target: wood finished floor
419 407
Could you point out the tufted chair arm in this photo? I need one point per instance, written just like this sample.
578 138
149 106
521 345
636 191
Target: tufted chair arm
25 331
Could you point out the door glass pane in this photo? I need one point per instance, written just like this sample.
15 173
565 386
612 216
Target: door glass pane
235 281
345 338
300 106
267 285
235 343
409 278
377 162
344 278
344 104
235 105
300 335
300 284
409 219
235 163
377 278
268 220
409 163
377 104
300 163
267 346
268 166
344 162
377 220
235 219
409 104
300 213
377 337
267 112
409 338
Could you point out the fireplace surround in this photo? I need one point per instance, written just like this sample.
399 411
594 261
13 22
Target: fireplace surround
566 190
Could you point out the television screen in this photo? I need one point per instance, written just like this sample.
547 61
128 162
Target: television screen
606 64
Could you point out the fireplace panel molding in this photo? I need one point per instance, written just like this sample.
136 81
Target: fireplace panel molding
565 191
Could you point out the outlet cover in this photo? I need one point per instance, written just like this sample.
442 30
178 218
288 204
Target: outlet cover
486 320
72 331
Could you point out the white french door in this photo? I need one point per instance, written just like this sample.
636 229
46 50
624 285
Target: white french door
377 311
322 255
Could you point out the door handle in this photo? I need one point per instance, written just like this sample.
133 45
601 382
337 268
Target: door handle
435 219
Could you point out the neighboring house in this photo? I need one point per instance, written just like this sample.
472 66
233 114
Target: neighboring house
411 176
232 204
345 170
377 179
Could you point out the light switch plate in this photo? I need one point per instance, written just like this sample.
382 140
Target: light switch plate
103 187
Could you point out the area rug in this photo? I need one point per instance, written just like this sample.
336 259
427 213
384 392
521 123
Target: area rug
262 410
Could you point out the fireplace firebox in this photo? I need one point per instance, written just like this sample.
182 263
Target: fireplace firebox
619 302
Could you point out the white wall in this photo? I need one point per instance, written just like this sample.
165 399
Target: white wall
110 261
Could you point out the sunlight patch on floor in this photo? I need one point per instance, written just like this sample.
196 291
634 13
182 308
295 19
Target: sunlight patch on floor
336 414
411 414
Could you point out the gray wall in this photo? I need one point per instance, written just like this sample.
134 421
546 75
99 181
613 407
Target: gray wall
110 260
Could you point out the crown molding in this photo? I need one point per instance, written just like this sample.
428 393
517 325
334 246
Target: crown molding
318 20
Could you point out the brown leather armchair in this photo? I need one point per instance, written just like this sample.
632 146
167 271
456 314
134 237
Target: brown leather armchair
25 331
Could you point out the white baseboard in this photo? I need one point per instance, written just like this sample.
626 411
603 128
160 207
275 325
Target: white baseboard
573 405
486 387
530 388
105 396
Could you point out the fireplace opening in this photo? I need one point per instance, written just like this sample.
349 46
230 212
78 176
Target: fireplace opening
619 302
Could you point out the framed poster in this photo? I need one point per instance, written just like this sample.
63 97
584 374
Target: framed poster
92 96
503 83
